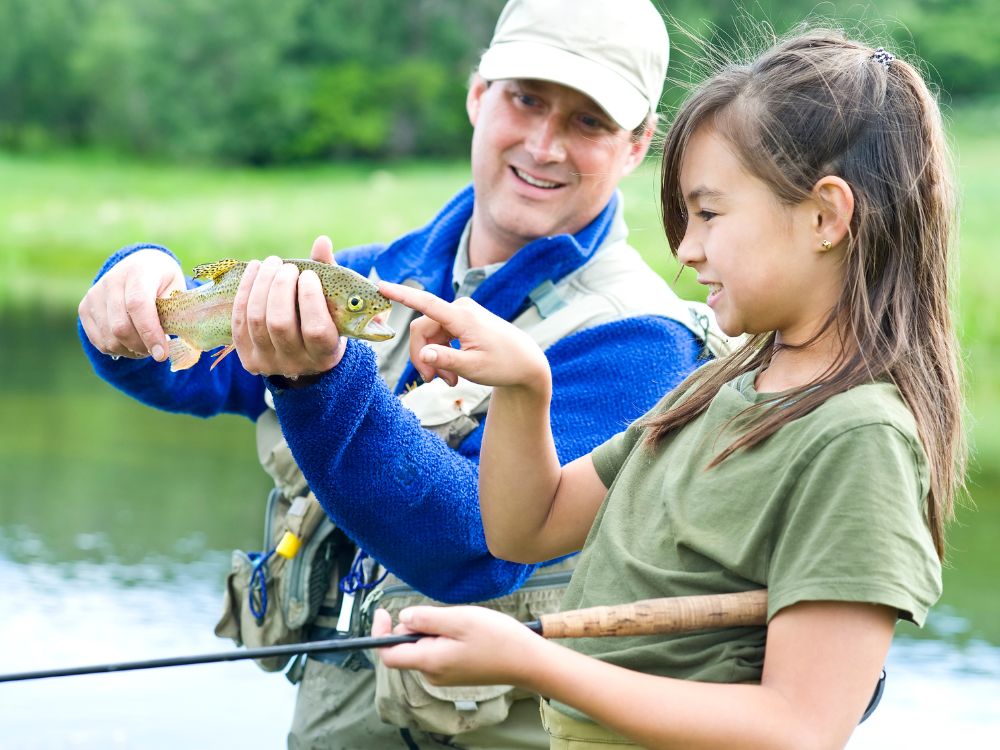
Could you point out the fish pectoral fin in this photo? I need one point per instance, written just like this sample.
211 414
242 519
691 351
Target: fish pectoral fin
182 355
215 271
221 355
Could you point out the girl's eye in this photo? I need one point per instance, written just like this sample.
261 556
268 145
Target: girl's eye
706 215
355 303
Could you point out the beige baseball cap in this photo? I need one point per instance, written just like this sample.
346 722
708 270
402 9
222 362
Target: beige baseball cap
614 51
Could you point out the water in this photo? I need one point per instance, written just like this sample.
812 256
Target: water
116 524
86 613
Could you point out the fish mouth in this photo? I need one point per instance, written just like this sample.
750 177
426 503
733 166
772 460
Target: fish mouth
376 330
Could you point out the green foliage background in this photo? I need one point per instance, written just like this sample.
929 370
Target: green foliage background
149 120
259 82
126 120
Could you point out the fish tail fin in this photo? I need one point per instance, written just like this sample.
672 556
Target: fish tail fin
182 355
222 354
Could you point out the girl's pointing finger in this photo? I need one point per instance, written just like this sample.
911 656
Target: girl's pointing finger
430 305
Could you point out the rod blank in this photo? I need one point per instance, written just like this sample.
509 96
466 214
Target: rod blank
648 617
289 649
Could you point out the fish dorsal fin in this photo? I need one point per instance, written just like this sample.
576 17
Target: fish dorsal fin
214 271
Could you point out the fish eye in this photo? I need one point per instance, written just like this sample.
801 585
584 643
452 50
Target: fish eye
355 303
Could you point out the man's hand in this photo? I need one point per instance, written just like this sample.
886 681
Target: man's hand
119 312
281 321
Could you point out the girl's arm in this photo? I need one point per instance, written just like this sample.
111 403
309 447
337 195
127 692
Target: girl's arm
821 665
532 509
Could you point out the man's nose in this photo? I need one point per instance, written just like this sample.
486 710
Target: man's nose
545 142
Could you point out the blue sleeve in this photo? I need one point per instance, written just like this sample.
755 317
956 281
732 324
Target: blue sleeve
361 258
226 389
411 501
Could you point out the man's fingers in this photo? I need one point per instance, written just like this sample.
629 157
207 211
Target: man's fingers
282 311
322 250
257 302
240 303
98 337
319 333
122 337
140 302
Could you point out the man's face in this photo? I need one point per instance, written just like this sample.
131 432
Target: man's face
545 161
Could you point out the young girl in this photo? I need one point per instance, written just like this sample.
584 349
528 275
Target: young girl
810 191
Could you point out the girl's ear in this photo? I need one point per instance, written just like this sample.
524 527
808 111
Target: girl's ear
834 203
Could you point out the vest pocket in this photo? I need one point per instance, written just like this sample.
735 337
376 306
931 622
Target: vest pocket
406 699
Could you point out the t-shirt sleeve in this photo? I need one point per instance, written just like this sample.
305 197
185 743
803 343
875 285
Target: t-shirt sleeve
609 456
855 530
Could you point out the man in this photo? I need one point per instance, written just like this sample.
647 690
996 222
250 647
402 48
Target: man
563 107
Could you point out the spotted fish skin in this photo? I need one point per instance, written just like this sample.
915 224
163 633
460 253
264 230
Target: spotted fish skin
200 319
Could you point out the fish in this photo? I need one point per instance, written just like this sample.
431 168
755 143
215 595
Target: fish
200 319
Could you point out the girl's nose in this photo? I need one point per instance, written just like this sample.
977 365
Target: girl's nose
690 251
545 142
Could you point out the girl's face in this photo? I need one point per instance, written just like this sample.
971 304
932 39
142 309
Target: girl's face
762 261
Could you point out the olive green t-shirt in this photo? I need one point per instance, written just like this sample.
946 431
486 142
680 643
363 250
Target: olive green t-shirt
830 507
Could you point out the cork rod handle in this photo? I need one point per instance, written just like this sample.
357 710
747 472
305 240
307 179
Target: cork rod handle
660 616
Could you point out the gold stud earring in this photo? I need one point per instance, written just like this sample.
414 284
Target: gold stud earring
826 244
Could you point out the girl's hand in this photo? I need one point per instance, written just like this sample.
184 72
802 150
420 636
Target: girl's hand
494 352
474 646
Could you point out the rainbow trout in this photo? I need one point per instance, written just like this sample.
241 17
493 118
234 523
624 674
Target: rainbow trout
201 318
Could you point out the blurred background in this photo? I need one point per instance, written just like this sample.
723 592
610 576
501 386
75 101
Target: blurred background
245 128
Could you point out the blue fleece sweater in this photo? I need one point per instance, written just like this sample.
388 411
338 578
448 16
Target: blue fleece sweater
395 488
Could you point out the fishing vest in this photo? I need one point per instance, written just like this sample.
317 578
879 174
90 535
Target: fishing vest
614 284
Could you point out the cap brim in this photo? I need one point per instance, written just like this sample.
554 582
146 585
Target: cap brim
614 94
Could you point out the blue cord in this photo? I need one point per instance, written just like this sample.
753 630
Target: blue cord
258 585
354 580
351 583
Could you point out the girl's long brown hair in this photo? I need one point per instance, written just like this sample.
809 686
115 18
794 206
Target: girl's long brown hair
818 104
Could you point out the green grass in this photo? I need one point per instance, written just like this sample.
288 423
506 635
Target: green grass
62 215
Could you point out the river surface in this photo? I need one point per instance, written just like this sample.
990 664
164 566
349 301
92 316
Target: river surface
116 526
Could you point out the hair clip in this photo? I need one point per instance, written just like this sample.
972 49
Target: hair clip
883 57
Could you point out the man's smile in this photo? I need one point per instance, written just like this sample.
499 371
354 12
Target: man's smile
535 181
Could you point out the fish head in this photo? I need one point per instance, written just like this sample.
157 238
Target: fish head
356 305
360 310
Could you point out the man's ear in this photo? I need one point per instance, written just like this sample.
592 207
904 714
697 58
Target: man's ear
833 210
474 98
640 146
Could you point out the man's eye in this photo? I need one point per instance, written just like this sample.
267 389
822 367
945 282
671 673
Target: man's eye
591 123
526 100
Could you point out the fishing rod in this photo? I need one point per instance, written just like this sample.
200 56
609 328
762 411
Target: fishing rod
648 617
